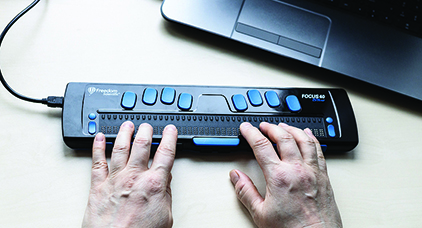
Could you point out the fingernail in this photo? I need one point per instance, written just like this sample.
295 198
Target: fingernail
127 124
171 127
309 132
264 123
99 137
283 125
246 124
234 177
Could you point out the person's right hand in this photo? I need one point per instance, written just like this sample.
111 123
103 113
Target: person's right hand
298 190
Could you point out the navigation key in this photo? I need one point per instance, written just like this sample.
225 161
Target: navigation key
293 103
128 100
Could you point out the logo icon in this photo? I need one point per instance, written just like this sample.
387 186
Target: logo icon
91 90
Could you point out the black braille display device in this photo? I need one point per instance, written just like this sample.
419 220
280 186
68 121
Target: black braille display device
207 118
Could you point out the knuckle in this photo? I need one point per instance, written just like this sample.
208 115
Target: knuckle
298 175
280 179
287 137
129 181
142 141
260 143
155 185
98 165
321 157
97 147
240 190
309 142
166 150
121 148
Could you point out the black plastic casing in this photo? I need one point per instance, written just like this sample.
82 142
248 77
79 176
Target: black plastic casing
212 115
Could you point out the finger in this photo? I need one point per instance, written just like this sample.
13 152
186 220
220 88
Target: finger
141 147
286 144
99 163
305 144
120 154
320 155
246 191
261 146
164 157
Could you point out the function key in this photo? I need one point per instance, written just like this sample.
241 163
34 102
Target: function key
239 102
272 99
255 97
150 96
92 127
293 103
331 131
185 101
167 95
128 100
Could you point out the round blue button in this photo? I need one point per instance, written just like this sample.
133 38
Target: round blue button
92 116
329 120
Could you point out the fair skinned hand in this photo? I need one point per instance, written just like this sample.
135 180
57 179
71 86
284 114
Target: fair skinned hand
129 193
298 191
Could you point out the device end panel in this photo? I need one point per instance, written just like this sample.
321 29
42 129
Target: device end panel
72 117
347 122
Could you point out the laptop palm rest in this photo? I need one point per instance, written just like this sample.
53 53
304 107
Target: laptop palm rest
284 25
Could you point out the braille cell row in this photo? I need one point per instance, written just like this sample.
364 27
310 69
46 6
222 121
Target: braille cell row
183 130
191 117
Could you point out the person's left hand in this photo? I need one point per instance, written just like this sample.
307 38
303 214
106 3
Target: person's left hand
129 194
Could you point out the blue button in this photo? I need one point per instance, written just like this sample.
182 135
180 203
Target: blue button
92 127
185 101
167 95
129 100
150 96
216 141
331 131
239 102
255 97
272 99
293 103
329 120
92 116
324 147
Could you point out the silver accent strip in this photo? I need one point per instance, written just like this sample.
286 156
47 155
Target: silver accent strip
335 110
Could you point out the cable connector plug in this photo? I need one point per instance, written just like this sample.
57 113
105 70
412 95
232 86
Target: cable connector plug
54 101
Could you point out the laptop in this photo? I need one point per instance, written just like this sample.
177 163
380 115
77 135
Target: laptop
357 38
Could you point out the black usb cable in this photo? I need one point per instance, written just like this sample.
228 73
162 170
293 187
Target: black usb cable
51 101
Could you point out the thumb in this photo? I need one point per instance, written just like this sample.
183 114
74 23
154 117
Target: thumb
246 191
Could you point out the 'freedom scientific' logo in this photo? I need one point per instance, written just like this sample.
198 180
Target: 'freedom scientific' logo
106 92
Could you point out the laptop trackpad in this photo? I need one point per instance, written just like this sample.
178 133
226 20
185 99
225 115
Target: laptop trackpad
284 25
